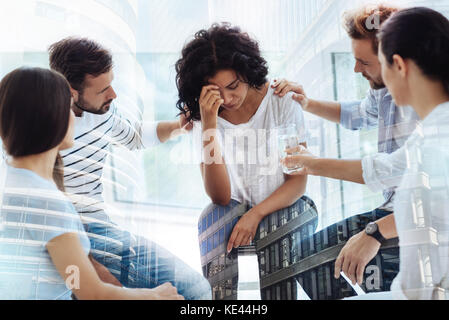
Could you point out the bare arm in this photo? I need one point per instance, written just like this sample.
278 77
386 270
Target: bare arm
75 268
328 110
216 181
347 170
361 249
213 169
167 130
103 273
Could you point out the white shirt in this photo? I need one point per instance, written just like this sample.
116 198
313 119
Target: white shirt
250 149
421 206
85 161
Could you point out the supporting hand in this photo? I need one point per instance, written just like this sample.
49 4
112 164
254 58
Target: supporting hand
355 255
284 86
245 230
299 157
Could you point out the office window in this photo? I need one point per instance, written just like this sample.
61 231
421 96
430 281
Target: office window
209 244
221 236
209 219
285 252
215 240
221 262
228 287
228 230
262 262
283 217
215 215
273 221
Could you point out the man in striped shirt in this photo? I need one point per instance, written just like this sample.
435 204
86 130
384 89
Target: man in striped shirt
119 257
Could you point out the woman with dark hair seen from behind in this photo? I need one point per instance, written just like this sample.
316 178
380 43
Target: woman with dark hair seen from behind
43 246
222 81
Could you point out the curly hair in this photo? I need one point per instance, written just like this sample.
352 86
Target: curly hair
221 47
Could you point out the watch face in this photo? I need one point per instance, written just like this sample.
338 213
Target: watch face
371 228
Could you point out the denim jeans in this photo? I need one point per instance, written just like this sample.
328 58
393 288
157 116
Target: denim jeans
140 263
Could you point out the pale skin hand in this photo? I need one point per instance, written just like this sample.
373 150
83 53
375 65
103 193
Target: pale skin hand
340 169
361 249
355 255
284 86
301 158
328 110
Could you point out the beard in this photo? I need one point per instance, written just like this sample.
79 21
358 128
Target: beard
374 84
87 107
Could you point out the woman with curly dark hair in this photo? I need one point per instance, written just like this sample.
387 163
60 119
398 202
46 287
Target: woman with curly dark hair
223 87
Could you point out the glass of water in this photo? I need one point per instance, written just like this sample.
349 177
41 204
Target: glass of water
288 137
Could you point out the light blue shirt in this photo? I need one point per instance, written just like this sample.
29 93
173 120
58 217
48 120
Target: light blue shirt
33 212
378 110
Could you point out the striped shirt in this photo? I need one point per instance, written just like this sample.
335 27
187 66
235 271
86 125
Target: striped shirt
85 161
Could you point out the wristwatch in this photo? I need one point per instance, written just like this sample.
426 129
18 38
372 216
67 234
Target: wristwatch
372 229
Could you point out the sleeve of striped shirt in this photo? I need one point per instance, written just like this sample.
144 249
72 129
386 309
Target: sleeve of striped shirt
133 134
126 131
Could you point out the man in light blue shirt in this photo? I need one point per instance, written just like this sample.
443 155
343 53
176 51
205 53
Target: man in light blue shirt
394 124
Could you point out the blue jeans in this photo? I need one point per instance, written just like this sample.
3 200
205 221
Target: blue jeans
140 263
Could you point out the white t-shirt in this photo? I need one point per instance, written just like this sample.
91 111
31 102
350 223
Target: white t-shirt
250 149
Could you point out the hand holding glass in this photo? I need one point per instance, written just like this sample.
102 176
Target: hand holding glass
288 138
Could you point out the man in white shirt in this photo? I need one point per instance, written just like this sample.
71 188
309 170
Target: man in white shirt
133 261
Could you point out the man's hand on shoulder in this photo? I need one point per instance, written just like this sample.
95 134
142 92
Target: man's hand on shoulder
283 86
